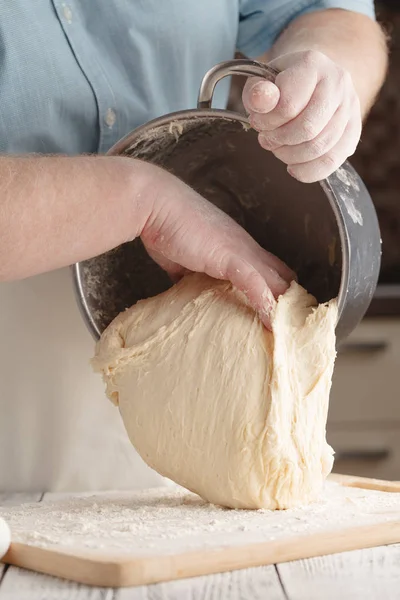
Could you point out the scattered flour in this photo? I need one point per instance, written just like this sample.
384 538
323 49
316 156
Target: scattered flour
172 520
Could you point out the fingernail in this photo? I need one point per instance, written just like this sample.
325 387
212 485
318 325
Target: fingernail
265 314
268 301
261 91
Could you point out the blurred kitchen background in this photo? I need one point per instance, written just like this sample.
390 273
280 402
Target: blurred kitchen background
364 417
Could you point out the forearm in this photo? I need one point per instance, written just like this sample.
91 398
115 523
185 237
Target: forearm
350 39
55 211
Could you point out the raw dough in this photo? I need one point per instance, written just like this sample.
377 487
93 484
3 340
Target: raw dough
214 401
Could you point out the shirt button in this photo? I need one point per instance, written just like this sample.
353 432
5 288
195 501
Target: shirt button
110 118
67 13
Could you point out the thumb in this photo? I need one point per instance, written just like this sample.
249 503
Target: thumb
173 269
260 95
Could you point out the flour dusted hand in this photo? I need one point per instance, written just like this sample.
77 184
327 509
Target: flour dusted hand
310 118
214 401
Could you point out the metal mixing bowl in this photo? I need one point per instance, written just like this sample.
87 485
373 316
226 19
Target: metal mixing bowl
327 232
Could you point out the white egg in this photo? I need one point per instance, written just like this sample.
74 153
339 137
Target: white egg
5 537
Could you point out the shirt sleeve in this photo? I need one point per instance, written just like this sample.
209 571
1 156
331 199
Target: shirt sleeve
261 21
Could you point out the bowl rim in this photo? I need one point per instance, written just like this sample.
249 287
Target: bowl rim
125 143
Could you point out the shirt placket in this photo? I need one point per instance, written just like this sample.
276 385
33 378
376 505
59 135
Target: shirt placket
71 22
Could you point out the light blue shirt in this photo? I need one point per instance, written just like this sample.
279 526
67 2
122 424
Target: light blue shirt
77 75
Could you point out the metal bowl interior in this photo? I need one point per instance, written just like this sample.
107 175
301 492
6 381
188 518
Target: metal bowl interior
220 157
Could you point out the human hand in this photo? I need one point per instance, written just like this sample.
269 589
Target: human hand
185 232
310 118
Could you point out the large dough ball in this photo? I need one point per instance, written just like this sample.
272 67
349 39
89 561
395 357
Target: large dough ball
214 401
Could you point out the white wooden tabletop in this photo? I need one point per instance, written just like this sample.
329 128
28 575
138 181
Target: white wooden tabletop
372 574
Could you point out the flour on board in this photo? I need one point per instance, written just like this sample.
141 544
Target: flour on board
172 520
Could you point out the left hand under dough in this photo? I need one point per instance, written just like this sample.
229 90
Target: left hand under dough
214 401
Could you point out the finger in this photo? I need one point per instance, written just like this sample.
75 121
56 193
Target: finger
325 141
264 262
245 269
220 267
260 258
175 271
297 81
324 166
246 279
309 123
176 275
244 245
296 88
260 95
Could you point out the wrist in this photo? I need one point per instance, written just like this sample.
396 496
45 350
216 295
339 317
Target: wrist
140 190
162 199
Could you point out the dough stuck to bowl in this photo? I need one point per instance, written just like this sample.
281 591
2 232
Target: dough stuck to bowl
214 401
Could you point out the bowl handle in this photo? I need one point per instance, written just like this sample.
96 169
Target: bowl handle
247 68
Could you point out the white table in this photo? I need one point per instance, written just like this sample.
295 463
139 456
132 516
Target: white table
372 574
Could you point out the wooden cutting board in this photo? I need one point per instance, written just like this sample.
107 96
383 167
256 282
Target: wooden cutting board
128 539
